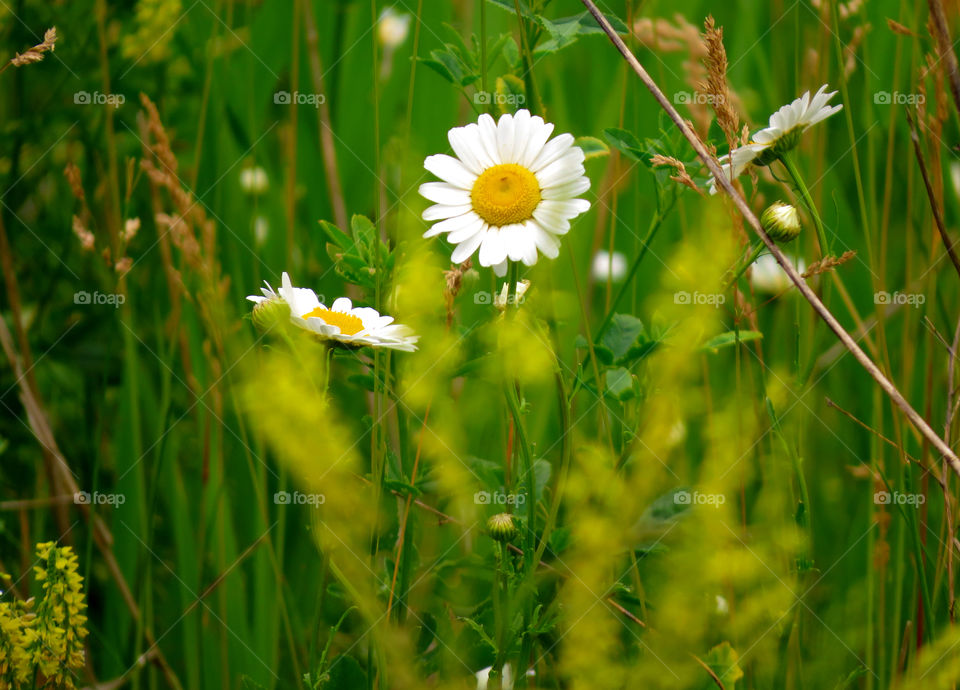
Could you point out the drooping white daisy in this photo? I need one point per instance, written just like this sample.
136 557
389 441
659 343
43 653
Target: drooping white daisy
734 165
509 192
781 134
342 322
789 123
768 277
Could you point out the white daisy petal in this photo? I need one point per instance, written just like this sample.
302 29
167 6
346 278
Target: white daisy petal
540 131
465 249
440 211
466 231
450 170
492 249
500 270
505 136
453 224
341 304
444 193
488 138
547 243
554 148
465 143
565 191
561 171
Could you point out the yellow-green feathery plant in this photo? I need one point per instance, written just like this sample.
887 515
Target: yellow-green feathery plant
41 640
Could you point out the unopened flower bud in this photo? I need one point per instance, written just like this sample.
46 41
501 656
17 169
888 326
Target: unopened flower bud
781 221
501 527
269 313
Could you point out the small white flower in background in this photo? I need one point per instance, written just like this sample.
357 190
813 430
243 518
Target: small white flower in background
254 180
782 133
607 266
342 322
677 434
261 230
393 27
509 193
506 682
500 300
766 275
723 608
955 177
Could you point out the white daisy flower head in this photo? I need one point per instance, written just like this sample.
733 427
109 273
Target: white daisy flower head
788 124
509 192
506 677
781 135
341 322
781 221
607 266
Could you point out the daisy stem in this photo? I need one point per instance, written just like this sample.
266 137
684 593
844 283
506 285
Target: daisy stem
807 201
759 247
513 277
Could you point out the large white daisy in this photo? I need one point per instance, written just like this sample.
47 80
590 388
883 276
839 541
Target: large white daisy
341 322
781 134
509 192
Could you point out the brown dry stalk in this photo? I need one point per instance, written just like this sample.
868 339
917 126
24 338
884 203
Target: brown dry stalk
941 32
722 181
37 52
828 263
716 84
681 175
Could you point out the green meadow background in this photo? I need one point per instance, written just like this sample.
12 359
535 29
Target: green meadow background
174 402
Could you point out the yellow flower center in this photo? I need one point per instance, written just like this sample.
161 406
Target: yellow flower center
505 194
348 323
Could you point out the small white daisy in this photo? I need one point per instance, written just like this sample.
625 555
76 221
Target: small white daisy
607 266
781 134
393 27
342 322
509 192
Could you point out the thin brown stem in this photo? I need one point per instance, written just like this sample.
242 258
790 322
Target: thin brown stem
723 182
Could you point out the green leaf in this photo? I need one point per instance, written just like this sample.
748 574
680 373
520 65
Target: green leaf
478 628
620 384
627 339
626 143
723 660
566 30
730 338
592 147
511 94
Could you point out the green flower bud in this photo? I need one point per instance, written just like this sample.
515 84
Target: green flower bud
269 313
781 221
501 527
